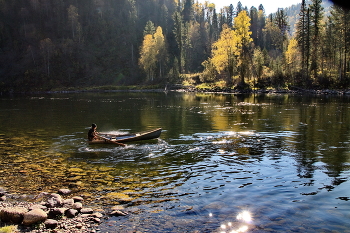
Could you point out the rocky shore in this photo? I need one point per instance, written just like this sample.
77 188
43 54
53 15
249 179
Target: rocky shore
53 213
292 90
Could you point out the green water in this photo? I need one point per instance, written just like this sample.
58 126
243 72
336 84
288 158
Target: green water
254 163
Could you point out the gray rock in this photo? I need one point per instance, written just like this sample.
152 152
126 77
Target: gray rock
54 200
71 213
77 206
64 191
68 203
86 211
51 223
41 195
56 213
117 207
118 213
97 215
78 199
12 214
79 226
34 216
38 207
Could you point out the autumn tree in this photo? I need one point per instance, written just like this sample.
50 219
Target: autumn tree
258 63
292 58
148 60
46 47
225 53
160 49
75 25
153 54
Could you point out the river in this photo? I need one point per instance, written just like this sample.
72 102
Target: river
223 163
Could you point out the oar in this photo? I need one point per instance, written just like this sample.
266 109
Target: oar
114 142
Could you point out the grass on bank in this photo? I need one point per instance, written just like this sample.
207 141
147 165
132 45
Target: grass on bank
8 229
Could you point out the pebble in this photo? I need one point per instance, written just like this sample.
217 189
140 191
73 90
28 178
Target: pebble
86 211
62 215
51 223
71 213
118 213
64 191
78 199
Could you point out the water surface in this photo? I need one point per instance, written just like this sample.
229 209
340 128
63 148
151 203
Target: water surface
224 163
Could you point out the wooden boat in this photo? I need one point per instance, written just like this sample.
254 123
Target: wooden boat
130 137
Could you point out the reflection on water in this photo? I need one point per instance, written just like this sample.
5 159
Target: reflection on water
223 163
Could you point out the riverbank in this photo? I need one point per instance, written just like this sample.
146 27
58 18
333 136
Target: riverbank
55 212
184 88
181 88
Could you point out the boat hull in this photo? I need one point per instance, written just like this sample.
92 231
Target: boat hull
133 137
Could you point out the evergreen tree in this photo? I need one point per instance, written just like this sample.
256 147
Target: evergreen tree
187 12
239 8
261 26
254 24
230 15
149 28
340 19
243 33
301 36
316 16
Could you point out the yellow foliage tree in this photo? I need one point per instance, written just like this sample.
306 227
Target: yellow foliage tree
159 43
148 56
292 56
225 52
153 52
231 52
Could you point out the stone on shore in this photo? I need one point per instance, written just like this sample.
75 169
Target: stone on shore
71 213
78 199
13 214
64 191
118 213
38 207
97 215
51 223
55 200
34 216
56 213
68 203
86 211
78 206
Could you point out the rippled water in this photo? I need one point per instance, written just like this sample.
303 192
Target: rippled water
224 163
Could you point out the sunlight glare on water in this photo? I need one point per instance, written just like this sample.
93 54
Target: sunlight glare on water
243 218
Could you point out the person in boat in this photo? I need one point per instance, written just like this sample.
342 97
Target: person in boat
92 134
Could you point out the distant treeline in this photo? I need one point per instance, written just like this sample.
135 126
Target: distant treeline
46 44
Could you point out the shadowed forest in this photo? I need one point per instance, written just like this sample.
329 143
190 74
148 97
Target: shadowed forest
49 44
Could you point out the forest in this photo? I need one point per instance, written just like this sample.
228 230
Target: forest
50 44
